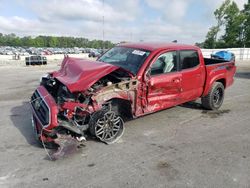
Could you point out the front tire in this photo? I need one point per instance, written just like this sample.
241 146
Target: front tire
215 97
107 126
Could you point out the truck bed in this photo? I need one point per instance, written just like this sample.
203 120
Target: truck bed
218 69
211 61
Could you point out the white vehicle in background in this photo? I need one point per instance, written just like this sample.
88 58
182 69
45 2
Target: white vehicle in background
36 60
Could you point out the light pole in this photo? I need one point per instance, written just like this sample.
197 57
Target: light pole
103 47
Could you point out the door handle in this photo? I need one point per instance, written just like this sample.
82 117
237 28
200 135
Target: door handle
176 80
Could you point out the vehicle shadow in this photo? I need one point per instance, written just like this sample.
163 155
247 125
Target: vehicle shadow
244 75
21 119
192 105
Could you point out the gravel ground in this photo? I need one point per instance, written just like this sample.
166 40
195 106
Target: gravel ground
184 146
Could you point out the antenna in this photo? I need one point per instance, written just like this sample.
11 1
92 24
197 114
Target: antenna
103 47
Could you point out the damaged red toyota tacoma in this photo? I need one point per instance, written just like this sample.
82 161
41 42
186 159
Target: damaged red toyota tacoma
128 81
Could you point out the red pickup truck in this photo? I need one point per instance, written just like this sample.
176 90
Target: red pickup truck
128 81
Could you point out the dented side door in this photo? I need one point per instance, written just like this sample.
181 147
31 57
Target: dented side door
164 89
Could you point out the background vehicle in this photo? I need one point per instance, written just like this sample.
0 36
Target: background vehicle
36 60
94 53
128 81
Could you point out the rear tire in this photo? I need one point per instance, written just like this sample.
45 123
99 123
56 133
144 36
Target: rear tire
214 98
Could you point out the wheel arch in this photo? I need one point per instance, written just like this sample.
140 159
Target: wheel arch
223 81
122 106
208 86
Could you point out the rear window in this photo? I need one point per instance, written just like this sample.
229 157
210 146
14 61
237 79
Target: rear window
189 59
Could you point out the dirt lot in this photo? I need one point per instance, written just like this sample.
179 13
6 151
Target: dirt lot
184 146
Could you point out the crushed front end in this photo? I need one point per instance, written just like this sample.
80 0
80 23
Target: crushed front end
52 115
56 111
82 97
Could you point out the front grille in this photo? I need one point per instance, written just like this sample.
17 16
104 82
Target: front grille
40 107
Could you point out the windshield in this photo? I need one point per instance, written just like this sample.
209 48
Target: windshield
130 59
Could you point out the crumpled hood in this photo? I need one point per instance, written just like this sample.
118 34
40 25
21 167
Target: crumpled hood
79 74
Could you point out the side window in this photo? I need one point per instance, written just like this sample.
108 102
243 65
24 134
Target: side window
165 63
189 59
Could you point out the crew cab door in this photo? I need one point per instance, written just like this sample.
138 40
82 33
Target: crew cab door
193 75
163 82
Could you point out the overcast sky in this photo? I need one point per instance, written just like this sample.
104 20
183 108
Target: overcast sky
127 20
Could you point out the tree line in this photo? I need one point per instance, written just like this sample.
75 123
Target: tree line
232 30
52 41
232 27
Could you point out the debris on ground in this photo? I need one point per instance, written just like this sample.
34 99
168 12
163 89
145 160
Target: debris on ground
67 146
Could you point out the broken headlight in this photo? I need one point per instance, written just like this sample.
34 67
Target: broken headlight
45 77
47 80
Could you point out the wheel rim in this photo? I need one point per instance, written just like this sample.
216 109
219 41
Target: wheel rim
217 97
109 128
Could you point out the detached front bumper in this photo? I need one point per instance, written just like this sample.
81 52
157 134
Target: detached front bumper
44 114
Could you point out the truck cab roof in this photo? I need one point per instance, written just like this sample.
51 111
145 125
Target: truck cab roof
152 46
